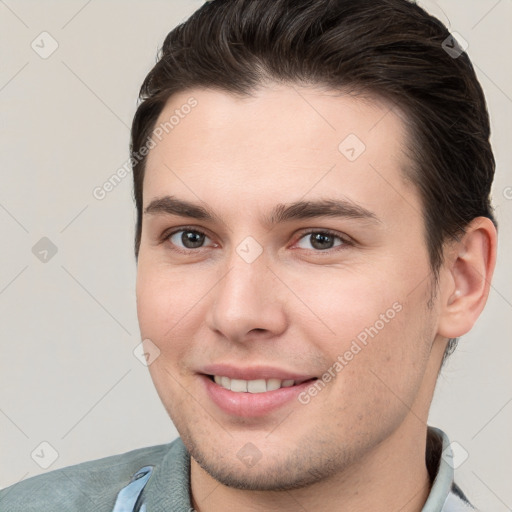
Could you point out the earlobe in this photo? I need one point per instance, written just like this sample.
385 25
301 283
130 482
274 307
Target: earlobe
468 278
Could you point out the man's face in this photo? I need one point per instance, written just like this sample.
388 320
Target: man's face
306 297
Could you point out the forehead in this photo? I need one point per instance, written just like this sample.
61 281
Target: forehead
283 140
291 113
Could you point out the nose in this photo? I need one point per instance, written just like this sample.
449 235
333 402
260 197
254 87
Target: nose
247 303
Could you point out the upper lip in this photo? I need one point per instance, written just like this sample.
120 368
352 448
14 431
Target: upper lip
253 372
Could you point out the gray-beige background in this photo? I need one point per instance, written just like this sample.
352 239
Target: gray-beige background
71 387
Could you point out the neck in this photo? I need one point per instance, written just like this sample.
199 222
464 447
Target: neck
393 476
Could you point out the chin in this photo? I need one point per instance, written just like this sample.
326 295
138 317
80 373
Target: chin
280 477
294 467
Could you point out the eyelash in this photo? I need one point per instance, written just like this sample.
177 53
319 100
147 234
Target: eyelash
343 238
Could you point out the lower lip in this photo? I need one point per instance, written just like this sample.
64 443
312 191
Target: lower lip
251 405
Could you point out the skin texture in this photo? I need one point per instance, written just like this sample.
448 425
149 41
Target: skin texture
360 441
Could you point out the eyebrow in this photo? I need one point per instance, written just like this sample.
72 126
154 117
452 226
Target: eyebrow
342 208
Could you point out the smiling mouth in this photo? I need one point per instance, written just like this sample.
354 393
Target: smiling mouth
255 386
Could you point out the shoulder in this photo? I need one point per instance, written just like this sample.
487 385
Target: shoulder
91 485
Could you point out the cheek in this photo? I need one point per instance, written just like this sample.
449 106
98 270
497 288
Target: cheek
170 308
153 303
378 330
391 365
162 305
163 297
351 304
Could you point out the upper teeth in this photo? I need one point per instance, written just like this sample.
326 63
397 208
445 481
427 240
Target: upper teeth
252 386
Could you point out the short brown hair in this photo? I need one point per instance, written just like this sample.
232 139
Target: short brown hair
390 49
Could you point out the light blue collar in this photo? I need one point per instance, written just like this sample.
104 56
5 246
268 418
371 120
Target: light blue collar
128 497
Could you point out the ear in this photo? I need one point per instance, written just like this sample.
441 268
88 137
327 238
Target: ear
466 278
